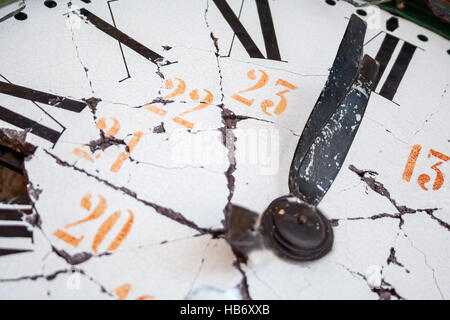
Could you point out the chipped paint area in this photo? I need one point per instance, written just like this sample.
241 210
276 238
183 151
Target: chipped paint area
129 202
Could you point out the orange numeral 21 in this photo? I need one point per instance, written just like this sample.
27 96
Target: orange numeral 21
103 230
179 90
423 179
101 124
267 103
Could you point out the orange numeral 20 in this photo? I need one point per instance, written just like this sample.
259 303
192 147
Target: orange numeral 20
103 230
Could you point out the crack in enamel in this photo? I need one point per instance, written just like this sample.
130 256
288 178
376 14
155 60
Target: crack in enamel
103 142
433 271
244 286
393 259
35 222
368 177
52 276
173 168
47 277
202 261
85 69
384 292
229 121
169 213
431 115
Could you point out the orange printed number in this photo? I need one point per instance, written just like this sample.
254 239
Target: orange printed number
111 132
423 179
96 213
281 106
267 103
203 104
122 293
259 84
101 124
103 230
179 90
107 226
124 155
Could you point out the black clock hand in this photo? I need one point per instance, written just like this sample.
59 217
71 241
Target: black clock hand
342 74
319 167
298 230
295 229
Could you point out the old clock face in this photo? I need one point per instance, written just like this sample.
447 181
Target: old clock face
148 125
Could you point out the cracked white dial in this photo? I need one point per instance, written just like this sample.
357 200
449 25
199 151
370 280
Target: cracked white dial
149 117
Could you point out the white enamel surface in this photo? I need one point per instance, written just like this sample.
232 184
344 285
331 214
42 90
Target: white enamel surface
182 170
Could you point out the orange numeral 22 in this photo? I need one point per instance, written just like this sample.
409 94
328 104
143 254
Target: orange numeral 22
179 90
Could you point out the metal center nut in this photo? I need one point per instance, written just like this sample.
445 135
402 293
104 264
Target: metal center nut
296 230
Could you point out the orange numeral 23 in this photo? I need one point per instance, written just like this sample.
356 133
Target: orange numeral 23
267 103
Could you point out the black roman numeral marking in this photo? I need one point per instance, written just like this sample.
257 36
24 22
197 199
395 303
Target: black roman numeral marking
395 76
120 45
13 231
13 214
43 97
4 251
22 122
34 96
11 159
121 37
267 27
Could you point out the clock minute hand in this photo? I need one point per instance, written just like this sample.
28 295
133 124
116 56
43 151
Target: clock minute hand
325 156
292 226
342 75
